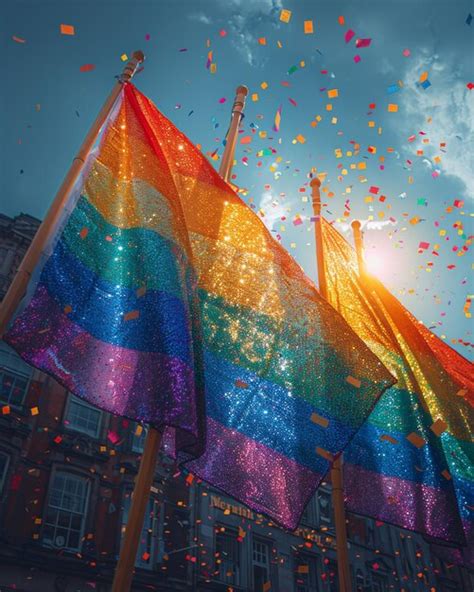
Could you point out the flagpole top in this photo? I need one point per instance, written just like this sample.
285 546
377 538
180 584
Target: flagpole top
242 90
138 57
356 224
315 185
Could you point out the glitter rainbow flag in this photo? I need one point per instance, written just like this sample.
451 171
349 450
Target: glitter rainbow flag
416 450
166 300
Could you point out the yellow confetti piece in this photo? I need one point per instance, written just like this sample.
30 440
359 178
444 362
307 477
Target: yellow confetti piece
67 30
322 421
439 427
124 57
132 315
264 85
308 27
285 15
416 440
333 93
138 430
38 521
213 68
354 381
279 44
392 108
34 411
255 97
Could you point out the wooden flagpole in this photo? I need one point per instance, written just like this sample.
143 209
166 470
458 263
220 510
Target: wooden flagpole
359 246
22 277
336 469
236 117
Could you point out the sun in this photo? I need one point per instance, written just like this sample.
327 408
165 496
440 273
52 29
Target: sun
374 263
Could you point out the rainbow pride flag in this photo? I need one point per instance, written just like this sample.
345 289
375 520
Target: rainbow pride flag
166 300
416 450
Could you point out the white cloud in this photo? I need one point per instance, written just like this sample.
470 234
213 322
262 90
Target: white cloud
272 208
449 104
246 21
365 225
200 17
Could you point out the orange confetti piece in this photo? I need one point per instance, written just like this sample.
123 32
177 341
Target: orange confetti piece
84 232
262 40
285 15
341 20
67 309
303 569
325 454
141 291
354 381
392 108
67 30
308 27
146 556
6 409
18 39
439 427
241 384
333 93
322 421
34 411
416 440
387 438
130 316
446 474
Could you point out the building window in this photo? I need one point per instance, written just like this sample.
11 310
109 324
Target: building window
82 417
66 511
227 556
359 581
261 564
306 574
324 503
332 577
15 377
148 548
4 460
379 583
138 437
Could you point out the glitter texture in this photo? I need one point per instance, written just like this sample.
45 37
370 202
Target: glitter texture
165 299
416 449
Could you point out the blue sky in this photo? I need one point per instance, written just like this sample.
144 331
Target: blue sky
47 105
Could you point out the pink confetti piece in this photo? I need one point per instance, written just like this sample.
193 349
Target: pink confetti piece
147 37
18 39
222 100
113 437
406 53
293 102
349 35
357 59
363 42
222 33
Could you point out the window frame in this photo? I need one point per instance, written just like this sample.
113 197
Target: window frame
3 475
313 578
70 474
236 578
73 428
7 353
266 543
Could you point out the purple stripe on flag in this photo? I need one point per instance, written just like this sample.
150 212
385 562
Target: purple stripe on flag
261 478
414 506
156 388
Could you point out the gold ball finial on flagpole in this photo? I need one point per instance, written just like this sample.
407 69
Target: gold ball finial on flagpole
355 224
315 185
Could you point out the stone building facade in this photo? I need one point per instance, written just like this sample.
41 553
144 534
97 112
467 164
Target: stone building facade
66 477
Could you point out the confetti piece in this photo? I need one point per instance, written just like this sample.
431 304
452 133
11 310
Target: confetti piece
416 440
293 102
87 68
241 383
387 438
354 381
138 430
222 32
301 139
317 419
264 85
267 586
277 121
363 42
285 15
124 57
341 20
392 108
132 315
349 35
222 100
67 30
406 53
67 309
324 453
6 409
293 69
18 39
145 556
113 437
84 232
34 411
147 37
308 27
357 59
446 474
262 40
333 93
254 97
303 569
246 140
439 427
